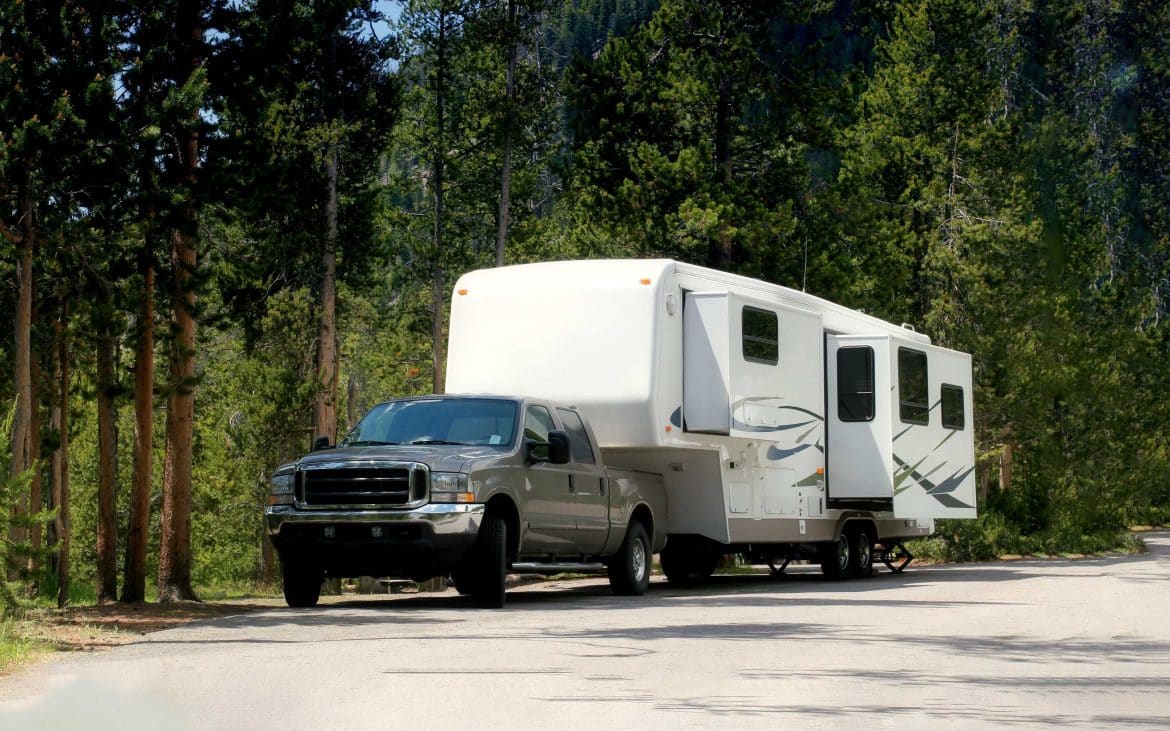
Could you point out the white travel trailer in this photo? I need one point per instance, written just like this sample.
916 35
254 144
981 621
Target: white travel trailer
782 423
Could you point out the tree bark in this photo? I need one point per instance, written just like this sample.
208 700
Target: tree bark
35 486
22 365
439 152
107 418
509 131
134 575
325 411
59 464
174 565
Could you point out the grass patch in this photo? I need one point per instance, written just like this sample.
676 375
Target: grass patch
18 645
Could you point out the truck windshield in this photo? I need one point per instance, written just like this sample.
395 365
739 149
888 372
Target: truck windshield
487 422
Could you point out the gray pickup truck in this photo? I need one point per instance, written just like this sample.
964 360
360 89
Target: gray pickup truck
466 486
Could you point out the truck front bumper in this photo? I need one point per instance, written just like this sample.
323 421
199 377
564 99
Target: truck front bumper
433 537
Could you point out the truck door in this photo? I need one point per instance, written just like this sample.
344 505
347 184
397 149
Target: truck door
552 523
589 486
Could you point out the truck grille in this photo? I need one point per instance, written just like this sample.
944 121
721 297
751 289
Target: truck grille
368 486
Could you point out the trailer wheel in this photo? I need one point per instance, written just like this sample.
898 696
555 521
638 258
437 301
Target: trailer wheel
302 582
629 570
685 563
836 557
491 563
861 555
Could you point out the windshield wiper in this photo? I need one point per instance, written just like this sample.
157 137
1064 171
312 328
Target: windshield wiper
369 443
440 441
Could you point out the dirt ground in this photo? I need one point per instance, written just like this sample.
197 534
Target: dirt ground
109 625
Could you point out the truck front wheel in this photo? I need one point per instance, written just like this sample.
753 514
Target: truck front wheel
629 570
491 563
302 582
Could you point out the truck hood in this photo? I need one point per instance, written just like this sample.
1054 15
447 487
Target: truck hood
439 458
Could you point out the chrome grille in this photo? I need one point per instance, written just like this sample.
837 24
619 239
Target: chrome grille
364 486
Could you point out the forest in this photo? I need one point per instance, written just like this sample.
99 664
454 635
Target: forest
229 226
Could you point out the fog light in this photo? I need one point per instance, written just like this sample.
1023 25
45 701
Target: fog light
330 532
376 531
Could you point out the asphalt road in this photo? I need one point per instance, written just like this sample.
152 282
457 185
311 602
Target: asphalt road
1025 643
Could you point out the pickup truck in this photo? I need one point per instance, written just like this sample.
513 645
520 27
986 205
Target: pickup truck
470 487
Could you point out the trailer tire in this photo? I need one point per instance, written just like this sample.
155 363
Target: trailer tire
860 553
462 580
684 563
629 569
836 557
302 582
491 563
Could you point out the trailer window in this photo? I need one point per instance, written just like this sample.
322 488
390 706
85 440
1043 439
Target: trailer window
761 336
855 400
578 437
537 424
952 407
913 393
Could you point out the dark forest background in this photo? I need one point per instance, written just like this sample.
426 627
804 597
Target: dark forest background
226 227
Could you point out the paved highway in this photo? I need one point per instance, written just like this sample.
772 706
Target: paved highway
1024 643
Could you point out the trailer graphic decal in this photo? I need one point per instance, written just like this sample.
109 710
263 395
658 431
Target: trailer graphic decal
942 491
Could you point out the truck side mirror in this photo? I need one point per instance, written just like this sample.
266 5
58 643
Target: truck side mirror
321 442
558 447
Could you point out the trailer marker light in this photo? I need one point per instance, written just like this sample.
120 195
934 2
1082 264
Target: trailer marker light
820 470
645 281
462 292
669 427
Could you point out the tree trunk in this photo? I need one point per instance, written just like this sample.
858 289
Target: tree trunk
509 131
439 152
22 365
107 418
35 486
1005 466
325 411
59 465
721 254
174 564
134 576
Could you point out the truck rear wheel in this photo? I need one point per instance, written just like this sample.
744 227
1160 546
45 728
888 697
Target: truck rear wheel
302 582
491 563
629 570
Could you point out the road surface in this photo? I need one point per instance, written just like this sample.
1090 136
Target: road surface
1025 643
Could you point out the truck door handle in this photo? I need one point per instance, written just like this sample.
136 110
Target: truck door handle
601 488
571 487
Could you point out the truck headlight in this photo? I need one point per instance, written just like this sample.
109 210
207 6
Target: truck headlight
280 488
450 487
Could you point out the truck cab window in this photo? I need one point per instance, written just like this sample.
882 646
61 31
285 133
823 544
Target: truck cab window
578 437
537 424
913 392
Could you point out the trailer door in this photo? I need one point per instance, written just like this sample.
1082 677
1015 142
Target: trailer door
860 454
706 363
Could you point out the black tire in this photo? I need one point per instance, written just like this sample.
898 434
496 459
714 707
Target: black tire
491 563
836 557
860 553
461 579
629 570
302 582
685 563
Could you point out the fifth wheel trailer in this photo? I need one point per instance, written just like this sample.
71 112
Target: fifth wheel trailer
784 425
